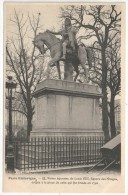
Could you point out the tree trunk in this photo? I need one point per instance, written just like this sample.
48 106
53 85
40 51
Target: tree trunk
29 117
104 98
29 125
112 117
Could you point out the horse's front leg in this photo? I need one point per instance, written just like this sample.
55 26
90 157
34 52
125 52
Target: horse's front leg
54 62
50 63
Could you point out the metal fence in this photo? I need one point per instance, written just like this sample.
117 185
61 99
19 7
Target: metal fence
55 152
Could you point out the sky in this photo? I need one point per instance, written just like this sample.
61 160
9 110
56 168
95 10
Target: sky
49 14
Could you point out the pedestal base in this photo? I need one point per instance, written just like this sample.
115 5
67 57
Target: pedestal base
67 132
66 108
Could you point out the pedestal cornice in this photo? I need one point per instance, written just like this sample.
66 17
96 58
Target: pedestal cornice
66 88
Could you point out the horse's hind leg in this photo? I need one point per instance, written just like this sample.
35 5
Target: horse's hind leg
82 55
76 76
58 69
50 64
77 71
86 72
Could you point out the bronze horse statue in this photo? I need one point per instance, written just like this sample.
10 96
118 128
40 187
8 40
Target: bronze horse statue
55 46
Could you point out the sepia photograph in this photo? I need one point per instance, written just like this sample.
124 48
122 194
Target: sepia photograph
64 116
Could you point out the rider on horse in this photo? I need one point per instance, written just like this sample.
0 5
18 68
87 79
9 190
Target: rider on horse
68 36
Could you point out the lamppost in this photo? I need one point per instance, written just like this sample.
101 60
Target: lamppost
10 85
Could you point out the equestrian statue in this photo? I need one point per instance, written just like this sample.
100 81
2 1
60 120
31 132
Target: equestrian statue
66 49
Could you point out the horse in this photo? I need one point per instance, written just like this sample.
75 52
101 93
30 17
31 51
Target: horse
55 46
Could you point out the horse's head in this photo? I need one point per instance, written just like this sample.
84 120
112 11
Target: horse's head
39 43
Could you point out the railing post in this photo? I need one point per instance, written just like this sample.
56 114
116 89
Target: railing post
38 152
28 155
87 151
54 152
35 155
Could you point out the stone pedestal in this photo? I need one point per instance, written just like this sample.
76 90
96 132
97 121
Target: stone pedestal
66 108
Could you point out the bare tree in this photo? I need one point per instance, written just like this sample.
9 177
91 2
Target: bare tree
113 79
98 23
113 76
24 62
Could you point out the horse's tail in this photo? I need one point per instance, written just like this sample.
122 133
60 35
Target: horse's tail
89 56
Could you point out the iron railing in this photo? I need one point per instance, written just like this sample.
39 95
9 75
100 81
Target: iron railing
55 152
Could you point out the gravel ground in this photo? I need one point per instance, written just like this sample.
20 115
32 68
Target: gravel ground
113 170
